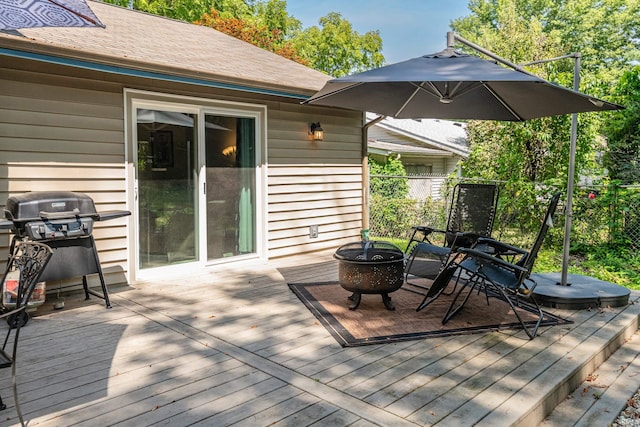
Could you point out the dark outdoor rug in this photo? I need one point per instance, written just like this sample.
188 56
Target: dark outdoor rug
372 323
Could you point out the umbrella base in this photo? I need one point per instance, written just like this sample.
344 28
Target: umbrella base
580 293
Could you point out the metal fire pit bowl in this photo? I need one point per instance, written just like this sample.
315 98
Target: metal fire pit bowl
370 267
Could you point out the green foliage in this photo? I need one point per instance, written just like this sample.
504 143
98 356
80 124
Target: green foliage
333 47
186 10
388 202
605 32
394 216
623 131
610 263
337 49
384 186
528 30
605 236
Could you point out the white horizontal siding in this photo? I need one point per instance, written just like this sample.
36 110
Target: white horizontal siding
313 183
65 131
66 138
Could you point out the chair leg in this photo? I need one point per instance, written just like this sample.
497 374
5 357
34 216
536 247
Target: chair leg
453 309
438 286
531 332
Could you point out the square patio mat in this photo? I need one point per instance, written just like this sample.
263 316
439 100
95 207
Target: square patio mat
372 323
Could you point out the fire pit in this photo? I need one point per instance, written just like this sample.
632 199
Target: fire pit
370 267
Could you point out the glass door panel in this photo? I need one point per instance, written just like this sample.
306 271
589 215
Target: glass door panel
231 186
167 200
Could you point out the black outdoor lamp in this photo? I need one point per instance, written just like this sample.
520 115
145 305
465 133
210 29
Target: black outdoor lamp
316 132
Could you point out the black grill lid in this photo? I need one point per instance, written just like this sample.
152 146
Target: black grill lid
48 204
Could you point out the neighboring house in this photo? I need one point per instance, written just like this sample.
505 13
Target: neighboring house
429 149
200 135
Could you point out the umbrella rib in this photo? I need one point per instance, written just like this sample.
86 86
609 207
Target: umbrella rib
437 93
334 92
75 12
415 92
504 104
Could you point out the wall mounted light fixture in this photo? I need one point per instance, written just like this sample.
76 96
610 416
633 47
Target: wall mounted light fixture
316 132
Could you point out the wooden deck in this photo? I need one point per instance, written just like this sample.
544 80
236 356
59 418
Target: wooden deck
234 346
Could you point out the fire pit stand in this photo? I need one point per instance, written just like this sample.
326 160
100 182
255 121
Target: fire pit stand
370 267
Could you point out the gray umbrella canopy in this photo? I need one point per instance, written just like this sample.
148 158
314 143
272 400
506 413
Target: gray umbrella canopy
16 14
452 85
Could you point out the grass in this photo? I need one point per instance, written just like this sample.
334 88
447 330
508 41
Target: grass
615 264
605 263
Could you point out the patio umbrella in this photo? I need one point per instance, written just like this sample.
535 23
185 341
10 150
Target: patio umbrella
16 14
454 85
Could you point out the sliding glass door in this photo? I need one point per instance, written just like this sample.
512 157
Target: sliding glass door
195 185
230 165
167 199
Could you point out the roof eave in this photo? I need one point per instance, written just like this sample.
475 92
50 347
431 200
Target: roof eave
461 151
25 48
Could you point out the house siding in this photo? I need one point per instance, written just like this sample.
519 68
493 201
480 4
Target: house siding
440 165
313 183
65 135
63 129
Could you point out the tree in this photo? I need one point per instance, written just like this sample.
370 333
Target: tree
528 30
623 131
333 48
389 204
605 32
337 49
184 10
252 31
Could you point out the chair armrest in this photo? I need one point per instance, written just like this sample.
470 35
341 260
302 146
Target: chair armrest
426 229
501 247
487 258
423 232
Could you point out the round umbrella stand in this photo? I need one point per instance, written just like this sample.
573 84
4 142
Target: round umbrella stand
581 292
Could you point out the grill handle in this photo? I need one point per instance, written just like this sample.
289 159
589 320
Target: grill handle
60 215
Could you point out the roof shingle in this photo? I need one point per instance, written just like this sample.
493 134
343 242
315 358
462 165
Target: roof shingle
153 43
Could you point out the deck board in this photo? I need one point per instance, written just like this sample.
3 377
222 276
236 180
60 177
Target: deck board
235 346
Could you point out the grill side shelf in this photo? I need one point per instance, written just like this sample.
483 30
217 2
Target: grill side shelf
107 215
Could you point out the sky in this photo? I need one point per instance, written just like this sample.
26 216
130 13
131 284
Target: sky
408 28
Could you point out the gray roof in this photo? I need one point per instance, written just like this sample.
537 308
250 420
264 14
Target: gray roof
149 43
389 148
426 136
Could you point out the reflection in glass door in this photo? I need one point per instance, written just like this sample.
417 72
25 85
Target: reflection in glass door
167 200
231 186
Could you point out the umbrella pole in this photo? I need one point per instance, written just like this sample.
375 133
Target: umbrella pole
451 39
572 167
570 182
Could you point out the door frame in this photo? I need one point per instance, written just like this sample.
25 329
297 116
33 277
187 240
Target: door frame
134 99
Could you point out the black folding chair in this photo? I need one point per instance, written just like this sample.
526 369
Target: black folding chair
471 215
26 263
504 273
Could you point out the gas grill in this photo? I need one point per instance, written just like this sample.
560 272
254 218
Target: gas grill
63 221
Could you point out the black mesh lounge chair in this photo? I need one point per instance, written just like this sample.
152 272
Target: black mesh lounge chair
505 273
27 262
471 214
